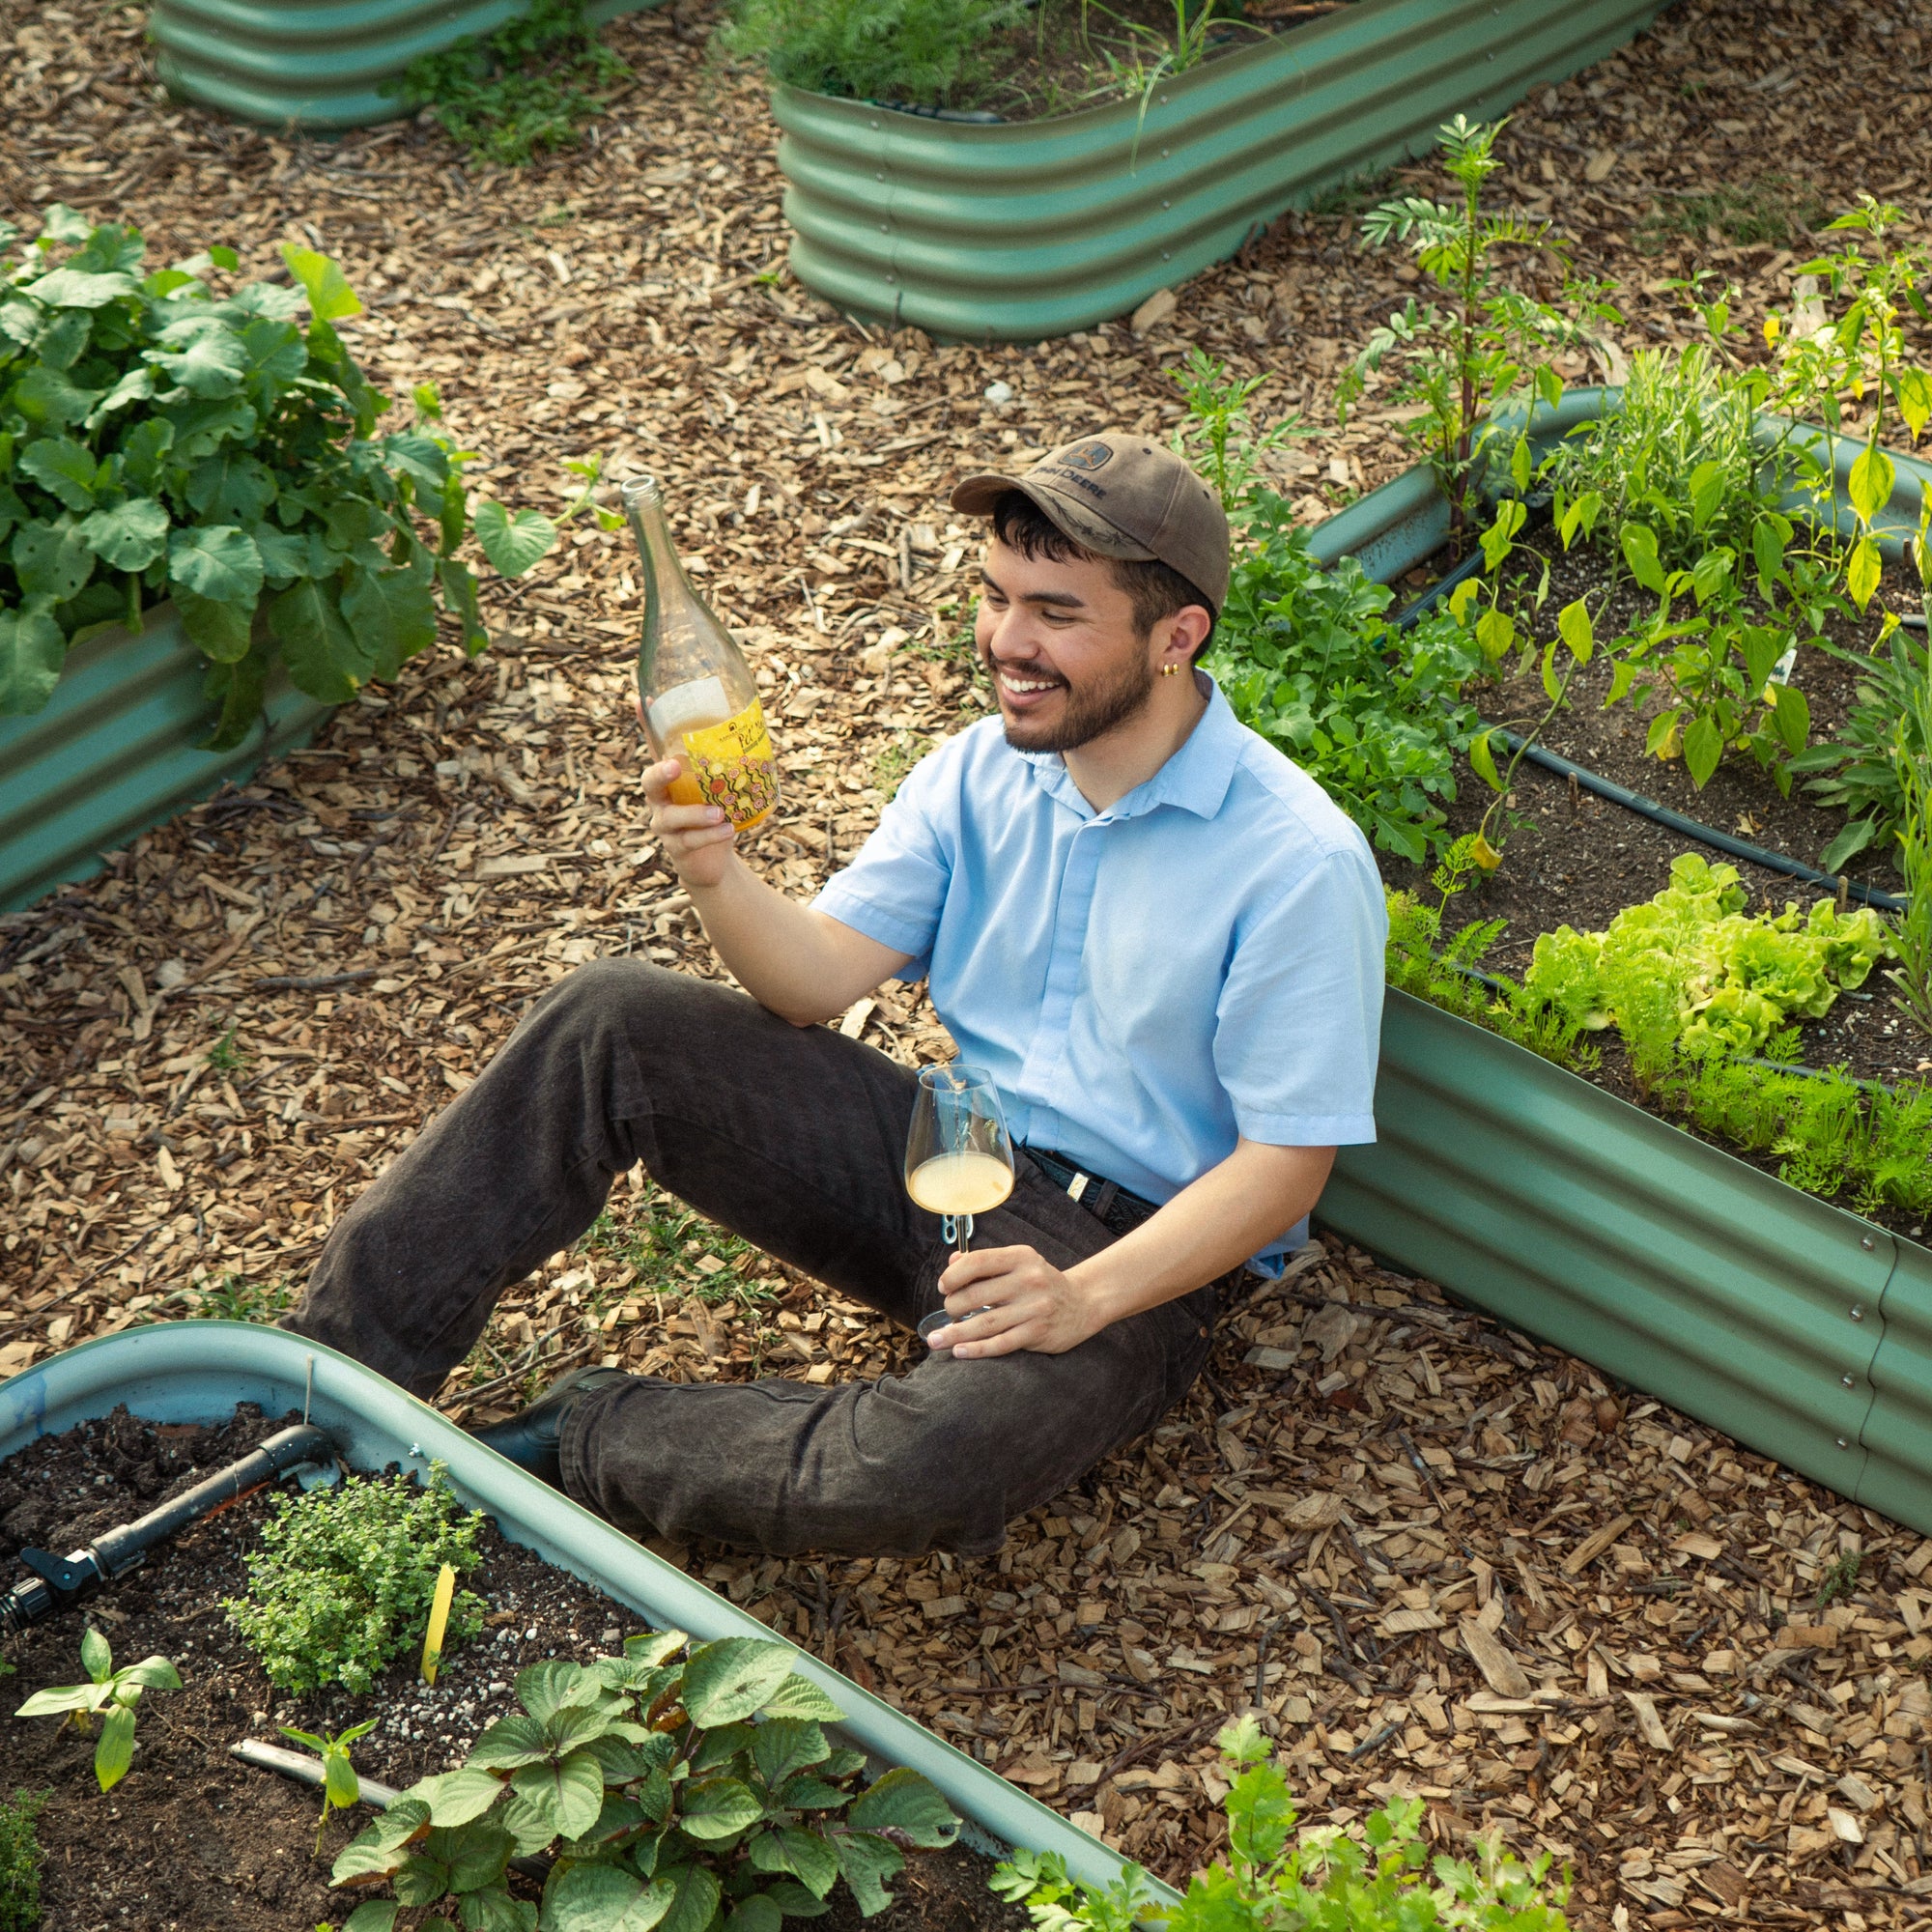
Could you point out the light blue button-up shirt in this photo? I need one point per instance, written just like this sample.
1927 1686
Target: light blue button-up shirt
1202 960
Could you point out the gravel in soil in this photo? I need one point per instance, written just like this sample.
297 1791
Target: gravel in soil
192 1840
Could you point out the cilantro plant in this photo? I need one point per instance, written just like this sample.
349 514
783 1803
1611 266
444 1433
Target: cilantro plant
1373 713
682 1795
111 1694
344 1577
1376 1878
340 1785
158 440
20 1860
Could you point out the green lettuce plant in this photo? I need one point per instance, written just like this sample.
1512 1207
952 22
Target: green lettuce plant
1376 1876
109 1695
342 1580
161 440
683 1796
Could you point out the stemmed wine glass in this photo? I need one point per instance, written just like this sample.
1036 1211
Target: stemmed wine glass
959 1157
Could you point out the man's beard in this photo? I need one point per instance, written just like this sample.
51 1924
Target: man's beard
1087 714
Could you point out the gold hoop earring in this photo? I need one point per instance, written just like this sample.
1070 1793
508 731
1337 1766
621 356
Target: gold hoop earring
1169 670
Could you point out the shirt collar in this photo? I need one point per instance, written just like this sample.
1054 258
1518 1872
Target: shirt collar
1196 777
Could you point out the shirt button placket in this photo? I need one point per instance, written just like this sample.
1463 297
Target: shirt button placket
1077 881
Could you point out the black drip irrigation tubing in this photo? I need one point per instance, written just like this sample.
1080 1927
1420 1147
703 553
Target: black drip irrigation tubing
1648 808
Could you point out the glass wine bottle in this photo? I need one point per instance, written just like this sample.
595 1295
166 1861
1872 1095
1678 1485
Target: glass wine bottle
700 702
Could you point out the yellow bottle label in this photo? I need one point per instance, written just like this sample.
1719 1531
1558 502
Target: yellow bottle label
734 765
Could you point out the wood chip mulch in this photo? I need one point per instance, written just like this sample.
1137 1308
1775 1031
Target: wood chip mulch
1438 1557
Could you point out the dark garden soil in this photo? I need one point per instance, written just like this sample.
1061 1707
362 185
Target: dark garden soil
1577 860
191 1840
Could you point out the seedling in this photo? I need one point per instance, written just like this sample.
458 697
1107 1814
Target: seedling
340 1787
224 1056
1840 1580
112 1694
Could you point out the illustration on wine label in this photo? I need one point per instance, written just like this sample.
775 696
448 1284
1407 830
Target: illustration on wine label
734 765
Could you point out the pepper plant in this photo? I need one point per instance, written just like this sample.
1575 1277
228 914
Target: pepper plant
108 1693
161 440
340 1785
683 1796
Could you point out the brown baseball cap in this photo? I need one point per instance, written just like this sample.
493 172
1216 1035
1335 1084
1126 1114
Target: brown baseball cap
1122 496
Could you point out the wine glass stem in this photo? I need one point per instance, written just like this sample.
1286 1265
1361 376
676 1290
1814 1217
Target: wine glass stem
963 1228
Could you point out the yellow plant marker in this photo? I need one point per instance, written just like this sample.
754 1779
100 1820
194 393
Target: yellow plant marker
438 1621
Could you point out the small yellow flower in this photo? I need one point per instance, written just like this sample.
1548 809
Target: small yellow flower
1484 854
1772 328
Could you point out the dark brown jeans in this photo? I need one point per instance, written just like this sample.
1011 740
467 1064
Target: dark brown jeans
793 1137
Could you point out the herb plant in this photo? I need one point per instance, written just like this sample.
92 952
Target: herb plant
20 1859
1484 340
888 50
1378 1879
158 440
669 1794
1373 713
111 1694
1219 436
340 1785
344 1579
530 87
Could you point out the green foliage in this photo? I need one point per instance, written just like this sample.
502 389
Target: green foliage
343 1580
225 1056
1373 713
21 1858
1911 929
111 1694
1485 341
901 753
893 51
158 440
236 1299
1771 209
669 1794
340 1785
664 1240
1219 436
1374 1877
1866 770
1840 1580
530 87
1732 978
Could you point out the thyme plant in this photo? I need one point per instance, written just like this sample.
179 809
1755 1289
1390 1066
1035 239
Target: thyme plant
20 1861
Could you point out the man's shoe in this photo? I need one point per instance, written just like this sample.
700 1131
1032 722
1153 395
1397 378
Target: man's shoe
533 1438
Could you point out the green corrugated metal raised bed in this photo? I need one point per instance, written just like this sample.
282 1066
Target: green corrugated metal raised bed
116 751
1026 230
318 63
1801 1329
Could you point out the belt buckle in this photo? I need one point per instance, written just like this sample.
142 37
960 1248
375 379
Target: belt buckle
1077 1186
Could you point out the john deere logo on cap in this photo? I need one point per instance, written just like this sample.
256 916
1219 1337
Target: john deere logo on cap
1088 456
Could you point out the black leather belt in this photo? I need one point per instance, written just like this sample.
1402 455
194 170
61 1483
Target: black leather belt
1113 1206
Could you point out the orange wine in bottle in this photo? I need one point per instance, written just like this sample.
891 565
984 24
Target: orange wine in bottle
700 700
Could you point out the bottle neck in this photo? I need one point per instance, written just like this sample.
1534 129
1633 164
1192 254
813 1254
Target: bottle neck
663 574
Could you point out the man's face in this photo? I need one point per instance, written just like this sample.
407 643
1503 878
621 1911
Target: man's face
1059 643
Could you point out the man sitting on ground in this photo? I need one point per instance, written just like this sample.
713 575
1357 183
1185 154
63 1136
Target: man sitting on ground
1158 935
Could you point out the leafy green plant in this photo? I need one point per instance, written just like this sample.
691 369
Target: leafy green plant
1219 434
1864 771
1770 208
1485 340
671 1794
890 51
891 767
1373 713
340 1787
344 1577
158 439
1840 1580
111 1694
1376 1876
1911 931
530 87
225 1056
20 1859
236 1299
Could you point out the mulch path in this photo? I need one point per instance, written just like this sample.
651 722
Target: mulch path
362 923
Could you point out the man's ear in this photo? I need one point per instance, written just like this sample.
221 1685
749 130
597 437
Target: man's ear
1186 631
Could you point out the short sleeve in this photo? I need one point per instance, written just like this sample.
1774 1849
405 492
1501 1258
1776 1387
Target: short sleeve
1298 1027
896 886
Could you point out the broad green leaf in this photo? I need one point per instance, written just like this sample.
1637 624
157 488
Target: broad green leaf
603 1899
143 450
376 1850
1763 646
524 1823
287 553
373 1915
494 1910
1792 718
97 1658
798 1696
715 1749
1849 842
794 1901
129 536
456 1797
1519 463
727 1681
61 223
781 1746
513 543
1703 749
459 596
61 1698
1574 627
697 1900
273 355
202 354
905 1803
51 560
1484 759
1496 633
218 630
811 1859
392 612
1869 486
543 1688
1862 573
202 425
719 1807
239 688
1915 399
1711 571
63 467
216 560
569 1793
323 655
75 288
1640 546
1768 542
231 487
340 1784
623 1761
1707 492
115 1752
868 1862
756 1914
330 296
44 395
156 1672
807 1793
475 1853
